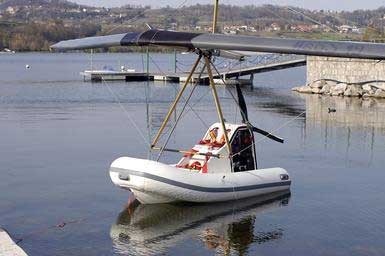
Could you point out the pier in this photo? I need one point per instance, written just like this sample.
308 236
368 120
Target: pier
264 63
8 246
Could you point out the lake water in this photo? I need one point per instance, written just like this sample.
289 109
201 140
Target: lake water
58 136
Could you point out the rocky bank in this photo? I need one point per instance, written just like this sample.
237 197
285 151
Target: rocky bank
335 88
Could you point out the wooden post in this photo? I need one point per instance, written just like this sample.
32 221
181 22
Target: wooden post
173 106
217 104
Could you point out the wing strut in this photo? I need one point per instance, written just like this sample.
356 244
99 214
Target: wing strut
208 63
173 106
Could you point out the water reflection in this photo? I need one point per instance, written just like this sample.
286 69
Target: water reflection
355 128
349 112
224 227
275 101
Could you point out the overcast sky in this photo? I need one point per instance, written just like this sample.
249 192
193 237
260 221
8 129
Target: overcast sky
309 4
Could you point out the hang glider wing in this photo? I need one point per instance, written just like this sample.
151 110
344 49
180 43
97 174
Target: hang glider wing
94 42
231 43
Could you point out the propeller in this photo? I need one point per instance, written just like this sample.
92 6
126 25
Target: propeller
245 118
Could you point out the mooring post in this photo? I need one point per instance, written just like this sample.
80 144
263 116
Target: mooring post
148 63
175 61
92 62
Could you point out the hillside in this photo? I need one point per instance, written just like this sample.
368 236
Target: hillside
35 24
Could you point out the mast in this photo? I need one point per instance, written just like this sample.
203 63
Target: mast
215 18
217 104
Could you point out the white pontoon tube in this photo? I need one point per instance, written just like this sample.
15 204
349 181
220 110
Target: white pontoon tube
202 177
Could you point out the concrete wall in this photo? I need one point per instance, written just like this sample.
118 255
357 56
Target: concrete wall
344 70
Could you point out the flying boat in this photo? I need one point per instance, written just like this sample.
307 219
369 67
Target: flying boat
222 165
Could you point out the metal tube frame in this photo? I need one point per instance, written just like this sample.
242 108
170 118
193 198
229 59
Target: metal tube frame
189 152
173 106
215 18
180 114
206 57
217 104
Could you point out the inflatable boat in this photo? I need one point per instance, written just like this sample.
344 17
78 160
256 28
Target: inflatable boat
203 174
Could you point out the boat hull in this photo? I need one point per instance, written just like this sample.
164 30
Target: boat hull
153 182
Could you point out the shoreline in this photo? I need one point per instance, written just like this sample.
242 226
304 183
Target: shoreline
330 87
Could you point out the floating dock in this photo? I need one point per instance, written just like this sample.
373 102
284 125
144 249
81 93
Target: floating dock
231 76
8 247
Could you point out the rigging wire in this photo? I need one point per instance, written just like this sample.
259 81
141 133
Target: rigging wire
316 21
226 86
136 17
282 126
126 112
240 109
164 74
180 114
267 8
310 18
275 130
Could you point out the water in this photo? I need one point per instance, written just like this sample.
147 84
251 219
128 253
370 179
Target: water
59 136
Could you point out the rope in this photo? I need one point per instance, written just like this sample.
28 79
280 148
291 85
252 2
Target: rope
126 112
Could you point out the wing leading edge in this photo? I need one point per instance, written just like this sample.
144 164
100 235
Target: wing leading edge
201 41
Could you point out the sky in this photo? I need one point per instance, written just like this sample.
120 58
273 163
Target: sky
308 4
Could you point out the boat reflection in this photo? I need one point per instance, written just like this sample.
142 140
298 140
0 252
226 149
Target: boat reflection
223 227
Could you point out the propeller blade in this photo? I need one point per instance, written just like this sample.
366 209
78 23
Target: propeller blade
242 105
267 134
245 118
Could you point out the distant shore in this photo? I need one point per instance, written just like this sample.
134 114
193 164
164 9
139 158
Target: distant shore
310 36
